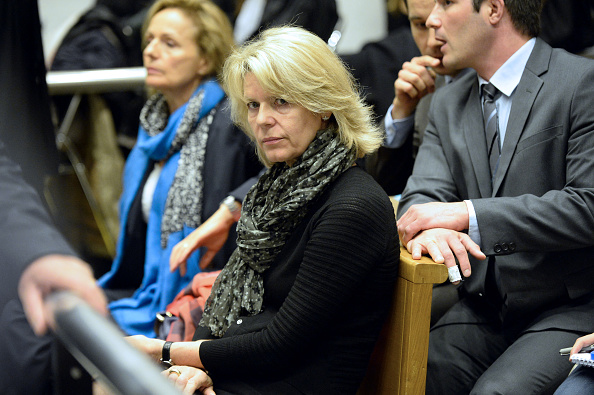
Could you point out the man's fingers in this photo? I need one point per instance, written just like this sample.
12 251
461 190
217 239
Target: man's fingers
472 248
33 305
95 297
183 268
435 252
426 60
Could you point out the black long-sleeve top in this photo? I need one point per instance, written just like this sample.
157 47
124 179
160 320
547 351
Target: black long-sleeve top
326 296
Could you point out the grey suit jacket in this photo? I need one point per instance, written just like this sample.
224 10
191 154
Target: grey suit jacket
538 217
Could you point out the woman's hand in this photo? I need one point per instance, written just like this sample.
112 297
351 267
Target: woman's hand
189 379
152 347
212 234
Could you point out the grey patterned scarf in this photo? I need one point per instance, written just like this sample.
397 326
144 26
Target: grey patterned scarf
273 208
184 199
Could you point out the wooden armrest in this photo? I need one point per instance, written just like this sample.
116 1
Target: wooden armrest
399 361
422 271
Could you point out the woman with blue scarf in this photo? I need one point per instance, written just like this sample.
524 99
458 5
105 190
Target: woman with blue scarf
187 158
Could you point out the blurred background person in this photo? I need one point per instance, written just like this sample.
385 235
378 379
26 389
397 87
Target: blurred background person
26 125
107 36
248 17
569 24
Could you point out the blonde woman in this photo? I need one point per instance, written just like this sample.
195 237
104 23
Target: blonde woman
298 307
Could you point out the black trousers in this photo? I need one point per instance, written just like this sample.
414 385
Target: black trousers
26 363
470 353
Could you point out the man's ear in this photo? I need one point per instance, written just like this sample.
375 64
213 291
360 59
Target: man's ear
496 10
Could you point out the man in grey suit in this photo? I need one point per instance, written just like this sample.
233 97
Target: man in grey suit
531 213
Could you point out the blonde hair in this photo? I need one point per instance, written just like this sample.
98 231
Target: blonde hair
214 34
297 66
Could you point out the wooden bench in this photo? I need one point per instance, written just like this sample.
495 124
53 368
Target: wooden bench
399 361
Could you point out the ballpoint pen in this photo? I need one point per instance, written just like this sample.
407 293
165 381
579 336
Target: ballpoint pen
566 351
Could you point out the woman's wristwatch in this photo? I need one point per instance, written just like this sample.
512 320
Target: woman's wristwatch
233 206
166 355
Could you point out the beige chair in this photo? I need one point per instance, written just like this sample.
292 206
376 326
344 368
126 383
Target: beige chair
399 361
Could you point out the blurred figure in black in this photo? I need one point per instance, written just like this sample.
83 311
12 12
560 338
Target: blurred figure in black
377 64
107 36
250 16
25 121
568 24
376 68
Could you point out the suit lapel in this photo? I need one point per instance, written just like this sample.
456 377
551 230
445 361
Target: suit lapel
475 140
523 100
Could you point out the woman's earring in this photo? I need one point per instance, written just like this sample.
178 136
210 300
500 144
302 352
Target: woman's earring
325 117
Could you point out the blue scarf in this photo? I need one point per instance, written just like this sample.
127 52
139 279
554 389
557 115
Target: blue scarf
169 139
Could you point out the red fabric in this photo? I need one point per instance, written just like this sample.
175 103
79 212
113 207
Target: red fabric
188 306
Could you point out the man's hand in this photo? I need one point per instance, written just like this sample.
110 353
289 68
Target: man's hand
445 246
581 343
415 80
212 234
57 272
420 217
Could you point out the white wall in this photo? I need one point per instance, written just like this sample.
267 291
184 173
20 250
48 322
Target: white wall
361 21
57 16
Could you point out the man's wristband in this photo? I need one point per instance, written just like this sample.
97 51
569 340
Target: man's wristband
166 354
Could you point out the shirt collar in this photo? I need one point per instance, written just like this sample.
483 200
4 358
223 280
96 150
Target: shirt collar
508 76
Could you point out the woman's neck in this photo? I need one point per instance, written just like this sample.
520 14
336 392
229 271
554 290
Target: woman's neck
180 97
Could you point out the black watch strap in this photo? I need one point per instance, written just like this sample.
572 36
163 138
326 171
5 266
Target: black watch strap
166 354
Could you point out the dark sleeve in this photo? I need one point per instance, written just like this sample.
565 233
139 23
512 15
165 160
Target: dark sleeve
376 67
350 239
317 16
391 167
240 192
27 229
89 50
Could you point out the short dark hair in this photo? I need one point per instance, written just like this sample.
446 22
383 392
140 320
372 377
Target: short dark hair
525 14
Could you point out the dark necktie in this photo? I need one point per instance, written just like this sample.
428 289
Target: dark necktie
490 96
